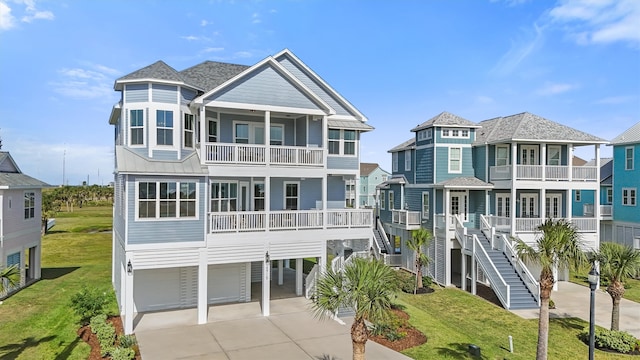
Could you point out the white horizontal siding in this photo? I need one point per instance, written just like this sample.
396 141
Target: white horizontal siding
155 259
236 253
296 250
164 94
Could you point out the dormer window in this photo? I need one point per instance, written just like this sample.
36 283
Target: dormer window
455 133
136 124
164 127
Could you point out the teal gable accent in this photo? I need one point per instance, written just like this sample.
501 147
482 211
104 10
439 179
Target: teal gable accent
623 178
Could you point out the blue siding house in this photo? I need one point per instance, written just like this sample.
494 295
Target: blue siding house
476 186
225 171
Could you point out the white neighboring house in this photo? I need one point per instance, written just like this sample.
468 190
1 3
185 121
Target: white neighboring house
223 171
20 221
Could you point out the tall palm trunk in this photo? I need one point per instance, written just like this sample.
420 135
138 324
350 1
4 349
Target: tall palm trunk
616 291
359 336
546 285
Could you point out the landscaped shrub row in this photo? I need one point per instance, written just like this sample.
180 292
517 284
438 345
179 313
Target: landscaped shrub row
407 281
619 341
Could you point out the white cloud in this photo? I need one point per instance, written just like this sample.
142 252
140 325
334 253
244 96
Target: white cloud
243 54
520 50
555 89
92 82
205 23
190 37
7 21
213 49
256 18
482 99
603 21
46 15
615 100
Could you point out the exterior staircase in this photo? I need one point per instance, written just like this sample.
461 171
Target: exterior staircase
520 296
380 239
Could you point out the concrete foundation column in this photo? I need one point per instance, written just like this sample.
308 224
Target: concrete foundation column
280 272
299 277
203 273
266 283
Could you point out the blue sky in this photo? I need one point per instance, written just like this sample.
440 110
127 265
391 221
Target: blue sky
399 62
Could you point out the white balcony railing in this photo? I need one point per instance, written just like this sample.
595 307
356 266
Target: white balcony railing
551 173
246 221
606 210
405 217
250 154
503 224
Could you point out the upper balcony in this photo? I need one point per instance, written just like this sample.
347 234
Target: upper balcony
606 212
503 224
410 220
252 154
544 173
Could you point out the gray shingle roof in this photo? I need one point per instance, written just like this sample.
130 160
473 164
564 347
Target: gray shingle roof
446 119
12 177
409 144
211 74
132 163
349 124
527 126
464 182
158 70
630 136
395 179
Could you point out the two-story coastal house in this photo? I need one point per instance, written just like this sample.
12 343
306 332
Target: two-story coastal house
222 172
477 185
20 221
625 227
371 175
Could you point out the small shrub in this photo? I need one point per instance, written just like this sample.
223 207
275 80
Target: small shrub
552 304
127 341
395 335
619 341
122 353
88 303
380 329
406 281
98 322
107 337
427 281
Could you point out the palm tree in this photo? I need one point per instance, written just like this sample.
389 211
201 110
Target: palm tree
556 248
617 264
9 278
365 285
420 238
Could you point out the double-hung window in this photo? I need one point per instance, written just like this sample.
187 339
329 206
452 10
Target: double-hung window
224 196
394 161
391 204
455 160
349 142
241 133
277 135
188 130
342 142
578 196
629 196
291 195
166 199
29 205
212 131
407 160
628 158
553 155
136 126
382 200
609 195
258 196
164 127
425 205
502 155
334 141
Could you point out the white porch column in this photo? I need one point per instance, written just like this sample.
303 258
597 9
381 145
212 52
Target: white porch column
543 162
596 199
487 203
203 273
324 201
474 270
280 272
463 275
287 263
569 203
402 207
356 189
543 203
299 282
570 161
267 129
203 134
512 203
128 298
266 284
447 241
267 202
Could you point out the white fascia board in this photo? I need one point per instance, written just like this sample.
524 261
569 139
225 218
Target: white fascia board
271 61
151 80
272 108
164 246
326 86
538 141
115 113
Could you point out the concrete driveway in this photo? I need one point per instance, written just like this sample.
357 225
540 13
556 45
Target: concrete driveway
239 331
572 300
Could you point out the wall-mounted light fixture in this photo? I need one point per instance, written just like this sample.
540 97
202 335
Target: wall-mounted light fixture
266 257
129 268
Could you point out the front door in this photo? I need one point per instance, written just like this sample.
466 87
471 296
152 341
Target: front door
459 200
553 206
503 205
529 205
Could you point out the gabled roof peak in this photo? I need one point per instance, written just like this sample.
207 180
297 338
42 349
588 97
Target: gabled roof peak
630 136
446 119
159 70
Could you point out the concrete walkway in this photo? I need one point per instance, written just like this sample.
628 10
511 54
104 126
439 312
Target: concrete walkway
572 300
239 331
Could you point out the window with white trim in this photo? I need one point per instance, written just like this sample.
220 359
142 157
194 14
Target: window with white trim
455 133
425 204
291 195
578 196
394 161
628 158
188 130
502 155
349 142
136 127
553 155
629 196
609 195
241 133
425 134
258 196
455 160
334 141
391 204
212 131
164 127
166 199
407 160
276 134
382 200
224 196
342 142
29 205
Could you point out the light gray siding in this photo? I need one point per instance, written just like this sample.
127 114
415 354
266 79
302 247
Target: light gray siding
165 154
265 86
167 94
136 93
186 95
342 162
336 188
301 131
315 133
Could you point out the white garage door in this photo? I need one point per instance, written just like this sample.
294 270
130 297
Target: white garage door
227 283
161 289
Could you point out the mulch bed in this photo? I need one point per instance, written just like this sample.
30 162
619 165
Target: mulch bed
90 338
414 337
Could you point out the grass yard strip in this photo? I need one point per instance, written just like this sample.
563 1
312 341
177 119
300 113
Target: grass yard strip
631 286
37 322
453 319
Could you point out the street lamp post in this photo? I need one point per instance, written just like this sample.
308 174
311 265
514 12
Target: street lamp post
594 279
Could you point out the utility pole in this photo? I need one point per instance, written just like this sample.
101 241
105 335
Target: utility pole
64 155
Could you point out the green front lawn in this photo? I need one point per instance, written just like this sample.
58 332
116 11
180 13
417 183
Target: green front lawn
37 323
452 319
632 286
